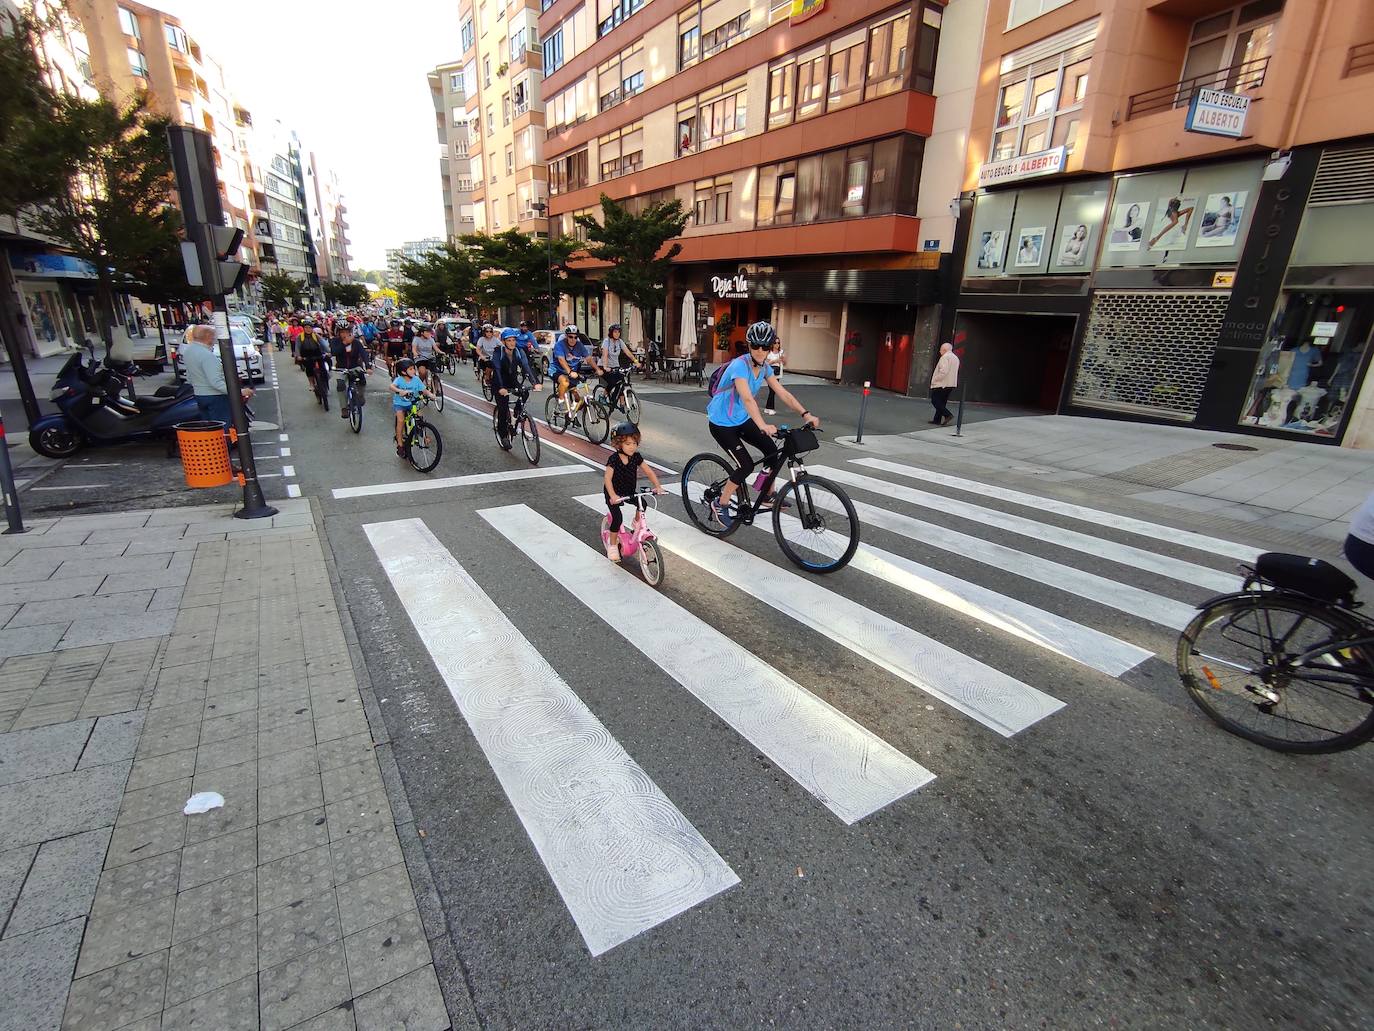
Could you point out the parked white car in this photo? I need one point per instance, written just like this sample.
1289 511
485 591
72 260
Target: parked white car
246 354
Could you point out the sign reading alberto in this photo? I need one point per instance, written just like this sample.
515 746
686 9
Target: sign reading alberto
1217 113
1027 166
803 9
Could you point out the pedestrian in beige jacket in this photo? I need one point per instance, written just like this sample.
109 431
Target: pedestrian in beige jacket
942 384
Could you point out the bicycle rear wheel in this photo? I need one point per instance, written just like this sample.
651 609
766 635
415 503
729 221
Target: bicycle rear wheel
487 392
503 440
425 448
702 479
555 416
596 422
651 563
436 385
1234 659
529 437
630 402
815 524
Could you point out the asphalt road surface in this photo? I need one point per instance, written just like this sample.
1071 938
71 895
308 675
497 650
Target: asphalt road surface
956 784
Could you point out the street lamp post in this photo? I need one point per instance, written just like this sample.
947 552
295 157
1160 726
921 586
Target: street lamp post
542 208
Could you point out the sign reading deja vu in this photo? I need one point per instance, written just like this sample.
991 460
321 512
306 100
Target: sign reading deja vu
731 288
1217 113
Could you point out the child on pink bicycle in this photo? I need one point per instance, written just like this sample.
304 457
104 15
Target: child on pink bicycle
621 482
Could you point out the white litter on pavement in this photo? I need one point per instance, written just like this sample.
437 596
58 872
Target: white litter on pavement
203 802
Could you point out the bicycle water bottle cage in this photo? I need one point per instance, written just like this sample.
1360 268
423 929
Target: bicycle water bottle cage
1310 576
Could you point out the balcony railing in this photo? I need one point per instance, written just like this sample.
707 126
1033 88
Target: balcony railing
521 108
1359 60
1238 78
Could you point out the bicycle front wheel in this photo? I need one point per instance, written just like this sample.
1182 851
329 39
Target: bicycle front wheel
437 386
596 422
651 563
355 414
815 524
426 447
487 392
703 478
529 438
555 416
503 440
1237 660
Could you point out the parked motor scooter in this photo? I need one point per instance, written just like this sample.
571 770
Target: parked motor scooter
93 411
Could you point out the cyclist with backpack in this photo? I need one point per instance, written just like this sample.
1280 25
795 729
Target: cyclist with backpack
734 416
508 365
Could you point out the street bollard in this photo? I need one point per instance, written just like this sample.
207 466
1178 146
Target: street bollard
7 487
959 419
863 409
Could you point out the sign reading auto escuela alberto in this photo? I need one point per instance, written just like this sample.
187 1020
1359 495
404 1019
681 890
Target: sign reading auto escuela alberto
1027 166
1217 113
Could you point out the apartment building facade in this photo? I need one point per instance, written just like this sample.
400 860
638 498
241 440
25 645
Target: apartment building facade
502 68
328 222
411 250
794 132
447 93
1169 213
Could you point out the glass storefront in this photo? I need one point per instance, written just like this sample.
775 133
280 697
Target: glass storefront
52 319
1305 379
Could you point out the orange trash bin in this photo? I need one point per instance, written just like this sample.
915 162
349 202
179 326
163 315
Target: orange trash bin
204 450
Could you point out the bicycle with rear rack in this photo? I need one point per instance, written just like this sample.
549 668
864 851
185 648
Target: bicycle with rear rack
578 405
1286 662
813 519
521 423
637 540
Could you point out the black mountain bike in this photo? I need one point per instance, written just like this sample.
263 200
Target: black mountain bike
322 382
621 397
522 424
1285 662
354 397
423 445
813 519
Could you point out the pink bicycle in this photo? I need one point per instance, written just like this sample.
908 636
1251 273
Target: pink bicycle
638 539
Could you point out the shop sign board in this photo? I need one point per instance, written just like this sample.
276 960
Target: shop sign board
804 9
52 265
733 287
1217 113
1325 329
930 245
1223 279
1027 166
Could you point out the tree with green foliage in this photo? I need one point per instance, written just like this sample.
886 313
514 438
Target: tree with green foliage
516 270
634 245
281 289
439 280
348 295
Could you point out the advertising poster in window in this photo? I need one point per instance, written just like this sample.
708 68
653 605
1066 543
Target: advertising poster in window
1173 216
990 248
1029 247
804 9
1221 218
1128 226
1073 245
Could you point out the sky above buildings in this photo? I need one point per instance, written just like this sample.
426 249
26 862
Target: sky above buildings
350 78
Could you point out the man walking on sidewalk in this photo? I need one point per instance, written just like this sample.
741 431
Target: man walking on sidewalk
942 384
205 373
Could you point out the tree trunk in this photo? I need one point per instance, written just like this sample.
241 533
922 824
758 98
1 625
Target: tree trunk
105 290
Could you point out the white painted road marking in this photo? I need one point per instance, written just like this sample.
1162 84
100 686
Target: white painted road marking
288 470
292 490
1097 517
74 486
851 770
1125 554
473 480
997 701
622 856
285 452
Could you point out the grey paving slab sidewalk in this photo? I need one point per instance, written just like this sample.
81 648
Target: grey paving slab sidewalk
148 656
1282 488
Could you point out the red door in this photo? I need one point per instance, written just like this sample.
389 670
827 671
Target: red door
886 353
894 362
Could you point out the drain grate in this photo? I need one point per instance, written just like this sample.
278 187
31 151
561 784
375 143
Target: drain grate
1236 447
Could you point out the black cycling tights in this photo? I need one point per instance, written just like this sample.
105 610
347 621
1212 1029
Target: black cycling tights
733 439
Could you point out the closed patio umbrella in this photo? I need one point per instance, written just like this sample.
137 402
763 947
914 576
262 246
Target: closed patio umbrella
687 339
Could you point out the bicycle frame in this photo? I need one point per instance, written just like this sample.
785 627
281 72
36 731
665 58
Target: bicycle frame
747 512
639 531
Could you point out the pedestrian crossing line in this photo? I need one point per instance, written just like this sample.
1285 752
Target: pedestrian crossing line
1124 554
847 767
623 857
472 480
999 702
1043 571
1048 630
1155 531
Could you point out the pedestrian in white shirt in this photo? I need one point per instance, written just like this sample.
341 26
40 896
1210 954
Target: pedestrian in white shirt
775 357
942 384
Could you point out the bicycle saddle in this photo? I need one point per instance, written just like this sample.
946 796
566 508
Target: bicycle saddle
1302 575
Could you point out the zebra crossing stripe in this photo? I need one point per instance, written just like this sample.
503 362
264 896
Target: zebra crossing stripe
851 770
1043 571
989 696
1125 554
1155 531
621 855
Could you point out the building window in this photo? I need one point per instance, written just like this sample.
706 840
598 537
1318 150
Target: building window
845 84
505 109
1022 11
1038 106
188 114
621 77
563 44
928 47
707 27
176 39
455 82
851 182
569 172
466 35
1232 47
621 152
486 71
887 56
137 64
460 117
491 121
713 118
568 107
510 160
522 39
711 201
612 12
128 23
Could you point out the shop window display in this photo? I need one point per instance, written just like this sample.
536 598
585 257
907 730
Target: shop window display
1305 379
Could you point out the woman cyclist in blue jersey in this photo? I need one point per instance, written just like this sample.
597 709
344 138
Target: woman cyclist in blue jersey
735 419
